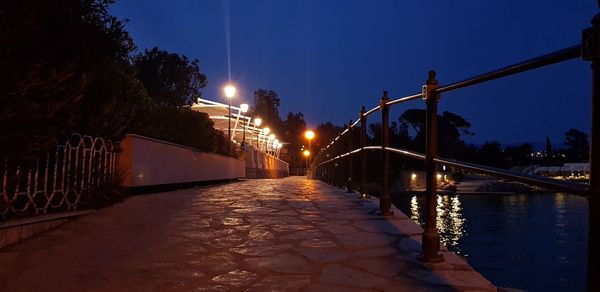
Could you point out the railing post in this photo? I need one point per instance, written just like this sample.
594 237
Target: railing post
430 239
349 182
385 201
591 52
363 154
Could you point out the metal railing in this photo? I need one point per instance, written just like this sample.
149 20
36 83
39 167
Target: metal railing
334 163
61 181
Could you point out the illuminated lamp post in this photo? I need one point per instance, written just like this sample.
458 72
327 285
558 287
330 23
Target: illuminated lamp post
229 93
244 109
257 123
306 154
309 135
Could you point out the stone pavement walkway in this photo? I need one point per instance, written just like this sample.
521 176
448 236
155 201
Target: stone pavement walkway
291 234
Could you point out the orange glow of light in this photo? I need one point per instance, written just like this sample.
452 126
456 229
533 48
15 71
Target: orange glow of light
309 134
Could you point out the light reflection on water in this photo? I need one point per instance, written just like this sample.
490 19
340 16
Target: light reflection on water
536 242
450 222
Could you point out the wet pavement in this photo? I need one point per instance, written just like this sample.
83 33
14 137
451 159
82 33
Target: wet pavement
290 234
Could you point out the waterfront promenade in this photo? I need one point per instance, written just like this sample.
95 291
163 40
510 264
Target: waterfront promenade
290 234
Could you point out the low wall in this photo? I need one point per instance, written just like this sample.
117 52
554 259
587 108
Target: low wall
261 165
149 162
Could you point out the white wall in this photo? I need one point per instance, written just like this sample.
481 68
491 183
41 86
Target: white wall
261 165
145 162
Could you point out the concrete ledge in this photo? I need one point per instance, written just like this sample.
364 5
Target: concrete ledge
16 230
454 270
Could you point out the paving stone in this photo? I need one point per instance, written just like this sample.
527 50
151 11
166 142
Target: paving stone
336 274
291 228
375 252
212 288
323 287
410 244
232 221
262 250
320 254
317 242
287 234
364 239
237 278
281 263
280 284
216 262
384 267
304 234
260 234
340 229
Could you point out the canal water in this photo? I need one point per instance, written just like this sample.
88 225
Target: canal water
536 242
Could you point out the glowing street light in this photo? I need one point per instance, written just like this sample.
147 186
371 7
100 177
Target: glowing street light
229 90
265 131
271 139
257 122
306 154
309 135
244 107
229 93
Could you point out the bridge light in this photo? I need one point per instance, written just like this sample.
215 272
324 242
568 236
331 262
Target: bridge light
306 153
244 107
229 91
257 122
266 130
309 134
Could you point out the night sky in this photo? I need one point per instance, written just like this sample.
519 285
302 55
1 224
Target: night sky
327 58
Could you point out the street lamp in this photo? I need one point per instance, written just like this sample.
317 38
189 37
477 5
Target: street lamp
257 122
266 132
306 154
271 138
229 93
309 135
244 109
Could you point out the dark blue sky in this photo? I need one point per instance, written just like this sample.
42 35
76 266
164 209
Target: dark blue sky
327 58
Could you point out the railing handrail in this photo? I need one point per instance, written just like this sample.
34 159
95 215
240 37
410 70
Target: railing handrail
530 64
539 181
341 147
565 54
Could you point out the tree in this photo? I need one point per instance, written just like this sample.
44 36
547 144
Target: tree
578 147
519 155
266 106
491 154
294 135
57 57
450 127
170 79
325 132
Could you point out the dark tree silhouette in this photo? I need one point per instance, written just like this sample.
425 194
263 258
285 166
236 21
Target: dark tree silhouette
57 57
170 79
294 135
578 147
266 106
519 155
450 127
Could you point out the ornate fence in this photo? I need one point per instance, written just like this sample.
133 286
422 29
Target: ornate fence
63 180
